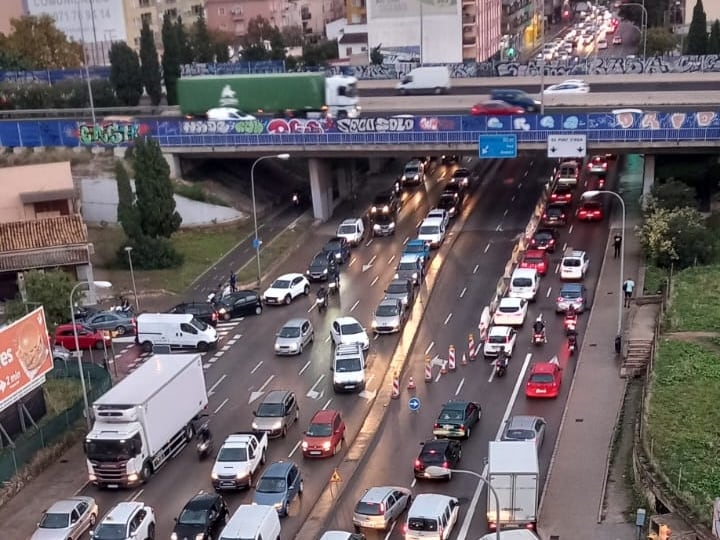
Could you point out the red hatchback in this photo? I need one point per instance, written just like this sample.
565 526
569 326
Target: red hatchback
325 435
544 380
496 108
537 259
87 337
590 211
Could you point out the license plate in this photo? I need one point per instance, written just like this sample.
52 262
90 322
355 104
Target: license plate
227 484
448 427
540 391
315 453
113 486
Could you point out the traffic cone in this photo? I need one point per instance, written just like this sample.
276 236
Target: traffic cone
464 361
451 358
428 369
395 386
471 347
411 383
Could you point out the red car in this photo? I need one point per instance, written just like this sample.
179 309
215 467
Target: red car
536 258
87 337
562 194
325 435
544 380
598 165
591 211
495 107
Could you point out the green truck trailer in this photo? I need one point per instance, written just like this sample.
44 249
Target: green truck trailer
293 94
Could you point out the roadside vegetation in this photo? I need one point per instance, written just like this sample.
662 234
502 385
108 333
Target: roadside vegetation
196 192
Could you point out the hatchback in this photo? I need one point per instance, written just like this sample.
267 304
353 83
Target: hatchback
202 517
544 239
339 248
499 338
572 294
389 316
537 259
590 211
202 311
347 330
325 434
294 336
554 215
562 194
126 521
525 428
379 507
441 453
544 381
239 304
87 337
402 289
276 412
278 486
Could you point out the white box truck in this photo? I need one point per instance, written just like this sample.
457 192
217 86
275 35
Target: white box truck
425 80
514 473
145 420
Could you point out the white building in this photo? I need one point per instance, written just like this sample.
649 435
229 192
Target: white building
352 39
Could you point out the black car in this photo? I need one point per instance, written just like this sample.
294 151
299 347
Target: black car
443 453
239 304
200 310
454 188
544 239
450 202
382 225
456 419
319 268
461 176
385 203
339 248
203 516
555 215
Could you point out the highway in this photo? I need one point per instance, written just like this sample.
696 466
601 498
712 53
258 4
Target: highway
248 368
483 247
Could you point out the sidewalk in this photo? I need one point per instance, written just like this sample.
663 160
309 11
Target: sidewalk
575 488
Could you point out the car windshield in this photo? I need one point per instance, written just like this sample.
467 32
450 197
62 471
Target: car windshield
347 229
319 262
384 219
461 173
232 454
446 202
508 309
386 310
568 293
541 378
543 236
55 521
369 509
591 206
451 415
289 332
533 260
193 516
429 229
571 262
280 284
347 365
271 410
422 524
554 211
351 328
397 288
271 485
319 430
520 434
411 171
332 246
381 200
409 265
415 248
110 531
496 339
522 282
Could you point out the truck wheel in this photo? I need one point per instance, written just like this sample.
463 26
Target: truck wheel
202 346
147 346
146 471
262 458
151 531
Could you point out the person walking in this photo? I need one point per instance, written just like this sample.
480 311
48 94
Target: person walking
628 288
617 244
233 282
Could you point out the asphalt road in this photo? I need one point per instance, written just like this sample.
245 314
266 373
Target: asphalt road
448 321
249 368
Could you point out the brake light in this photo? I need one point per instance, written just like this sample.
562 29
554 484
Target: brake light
436 425
462 428
418 463
382 508
544 216
551 241
214 317
596 213
446 465
562 216
560 299
582 213
404 529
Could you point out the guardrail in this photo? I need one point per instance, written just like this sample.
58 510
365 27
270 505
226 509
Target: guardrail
86 113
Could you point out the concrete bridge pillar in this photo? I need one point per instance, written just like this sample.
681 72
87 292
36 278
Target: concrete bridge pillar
321 187
648 178
344 173
173 161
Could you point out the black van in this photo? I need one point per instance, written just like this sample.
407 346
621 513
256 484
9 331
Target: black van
517 98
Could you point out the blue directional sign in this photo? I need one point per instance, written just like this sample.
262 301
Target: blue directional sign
414 404
256 243
498 146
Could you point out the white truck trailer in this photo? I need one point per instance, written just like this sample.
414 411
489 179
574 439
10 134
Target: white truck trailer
145 420
514 474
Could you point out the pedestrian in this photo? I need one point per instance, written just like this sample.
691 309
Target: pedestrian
233 282
628 288
617 244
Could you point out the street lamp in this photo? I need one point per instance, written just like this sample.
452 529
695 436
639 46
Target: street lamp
594 193
78 353
256 240
643 23
540 6
441 471
128 250
87 69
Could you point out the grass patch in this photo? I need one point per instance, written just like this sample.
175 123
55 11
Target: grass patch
695 300
684 421
196 192
654 279
61 394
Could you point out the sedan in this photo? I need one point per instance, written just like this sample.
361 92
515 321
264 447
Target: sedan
602 44
339 248
294 336
597 165
568 87
389 316
511 312
590 211
286 288
456 419
495 108
499 338
525 428
442 453
572 294
87 337
66 519
555 215
319 267
239 304
544 239
203 311
347 330
278 486
116 321
450 202
537 259
202 517
562 194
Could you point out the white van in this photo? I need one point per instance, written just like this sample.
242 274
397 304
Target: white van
252 522
352 230
431 517
432 231
349 368
425 80
524 283
174 330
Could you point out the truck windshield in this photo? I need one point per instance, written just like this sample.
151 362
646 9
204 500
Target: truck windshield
351 91
110 450
200 325
349 365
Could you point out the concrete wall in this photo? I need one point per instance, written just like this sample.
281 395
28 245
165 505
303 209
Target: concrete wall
28 179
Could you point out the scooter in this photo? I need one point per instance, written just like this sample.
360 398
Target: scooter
321 303
572 344
204 446
501 365
332 288
296 199
538 338
570 324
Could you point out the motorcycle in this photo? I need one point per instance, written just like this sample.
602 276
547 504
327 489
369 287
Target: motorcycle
204 446
296 199
321 302
572 344
538 338
570 324
501 365
332 287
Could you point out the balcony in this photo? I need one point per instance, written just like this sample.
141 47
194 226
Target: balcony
469 19
469 39
468 2
305 14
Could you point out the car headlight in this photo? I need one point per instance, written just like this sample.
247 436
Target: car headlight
200 536
415 275
173 536
293 346
392 225
214 475
92 477
241 474
254 425
277 347
222 311
307 272
338 256
325 271
304 445
416 177
277 425
374 324
133 477
373 209
397 276
386 209
326 445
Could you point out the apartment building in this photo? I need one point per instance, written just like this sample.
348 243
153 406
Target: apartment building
153 11
12 9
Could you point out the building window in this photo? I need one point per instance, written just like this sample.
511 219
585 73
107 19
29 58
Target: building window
146 18
172 13
221 11
143 3
348 51
363 49
196 9
59 207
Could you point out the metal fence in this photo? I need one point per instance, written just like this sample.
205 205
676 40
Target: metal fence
50 428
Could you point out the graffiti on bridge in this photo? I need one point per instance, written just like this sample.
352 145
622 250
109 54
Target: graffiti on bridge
110 133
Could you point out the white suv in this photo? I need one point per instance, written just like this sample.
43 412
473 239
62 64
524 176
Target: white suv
126 521
574 265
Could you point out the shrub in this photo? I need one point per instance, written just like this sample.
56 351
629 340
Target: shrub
150 254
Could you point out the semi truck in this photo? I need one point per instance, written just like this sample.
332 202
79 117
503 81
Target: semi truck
145 420
276 94
514 474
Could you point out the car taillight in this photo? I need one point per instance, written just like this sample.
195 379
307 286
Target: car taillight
446 465
462 428
596 213
562 216
436 425
214 316
544 216
404 529
582 213
580 299
560 299
418 463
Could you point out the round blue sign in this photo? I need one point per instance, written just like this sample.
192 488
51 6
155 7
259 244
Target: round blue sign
414 404
256 243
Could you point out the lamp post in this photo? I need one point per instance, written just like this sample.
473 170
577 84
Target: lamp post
440 471
128 250
256 240
78 352
589 195
87 70
422 31
540 6
643 23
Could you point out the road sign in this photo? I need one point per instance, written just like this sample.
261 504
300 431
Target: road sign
567 146
498 146
256 243
414 404
335 476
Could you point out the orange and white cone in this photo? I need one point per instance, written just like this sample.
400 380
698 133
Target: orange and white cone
395 386
451 358
464 361
411 383
471 347
428 369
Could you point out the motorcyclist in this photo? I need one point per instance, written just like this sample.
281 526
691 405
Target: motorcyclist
125 304
204 434
322 295
539 327
572 337
334 273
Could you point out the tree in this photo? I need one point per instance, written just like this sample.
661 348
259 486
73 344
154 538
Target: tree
50 288
672 194
150 65
292 36
376 57
127 213
202 46
255 53
9 59
154 190
676 237
660 41
221 41
713 46
184 42
170 60
125 74
38 42
259 30
317 54
697 39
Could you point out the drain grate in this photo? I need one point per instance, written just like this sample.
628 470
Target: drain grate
579 419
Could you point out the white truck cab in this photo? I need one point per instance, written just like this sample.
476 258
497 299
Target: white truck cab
352 230
239 458
341 96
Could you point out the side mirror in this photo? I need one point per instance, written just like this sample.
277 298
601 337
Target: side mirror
422 444
304 432
254 413
332 368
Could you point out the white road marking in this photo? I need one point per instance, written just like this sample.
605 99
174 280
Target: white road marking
355 305
266 383
218 354
557 268
212 360
485 251
459 388
369 242
294 449
329 401
505 213
328 339
462 293
352 261
492 373
407 239
564 247
548 293
369 380
313 393
412 484
376 336
513 199
225 402
570 229
391 259
432 344
418 225
374 281
260 363
447 320
136 495
311 307
498 228
302 370
438 375
211 390
477 266
372 260
226 348
390 530
520 184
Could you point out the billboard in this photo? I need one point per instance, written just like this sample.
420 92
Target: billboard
102 20
25 356
394 9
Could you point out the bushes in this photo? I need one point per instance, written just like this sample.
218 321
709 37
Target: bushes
62 95
150 254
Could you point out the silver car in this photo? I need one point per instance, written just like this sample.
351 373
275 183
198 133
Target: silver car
68 518
402 289
114 321
389 316
294 336
379 507
525 428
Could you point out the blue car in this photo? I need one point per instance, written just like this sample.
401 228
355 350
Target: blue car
419 248
278 486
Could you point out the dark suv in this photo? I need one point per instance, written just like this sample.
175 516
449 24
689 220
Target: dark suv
201 310
385 203
319 268
515 97
239 304
202 517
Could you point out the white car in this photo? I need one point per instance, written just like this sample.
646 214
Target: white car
441 214
66 519
228 113
602 44
286 288
499 338
432 232
511 312
568 87
347 330
127 521
617 40
574 265
352 230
